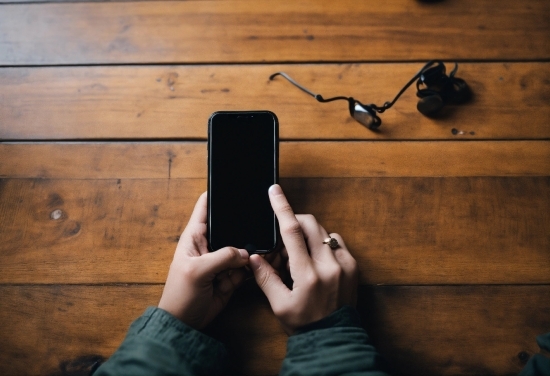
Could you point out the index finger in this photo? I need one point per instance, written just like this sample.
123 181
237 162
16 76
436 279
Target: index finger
291 231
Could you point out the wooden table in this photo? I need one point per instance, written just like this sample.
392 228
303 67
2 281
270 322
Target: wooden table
103 111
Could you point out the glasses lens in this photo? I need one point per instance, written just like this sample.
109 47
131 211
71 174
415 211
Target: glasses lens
364 117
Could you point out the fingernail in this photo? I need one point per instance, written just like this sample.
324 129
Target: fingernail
275 190
255 262
244 253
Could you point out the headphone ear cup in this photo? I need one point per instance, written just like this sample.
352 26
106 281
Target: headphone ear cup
461 91
430 105
432 76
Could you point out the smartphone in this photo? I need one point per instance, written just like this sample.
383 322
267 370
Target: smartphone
243 162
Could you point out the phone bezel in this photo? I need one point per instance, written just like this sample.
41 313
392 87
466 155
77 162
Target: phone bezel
276 172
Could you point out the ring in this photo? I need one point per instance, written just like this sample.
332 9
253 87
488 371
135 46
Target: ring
331 242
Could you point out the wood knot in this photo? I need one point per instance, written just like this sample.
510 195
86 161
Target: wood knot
56 214
523 357
72 229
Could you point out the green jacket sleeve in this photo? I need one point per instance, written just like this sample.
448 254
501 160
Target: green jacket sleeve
159 344
539 365
335 345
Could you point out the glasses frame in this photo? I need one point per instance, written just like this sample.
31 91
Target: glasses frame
367 115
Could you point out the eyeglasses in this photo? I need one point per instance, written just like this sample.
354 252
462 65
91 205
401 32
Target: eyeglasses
367 115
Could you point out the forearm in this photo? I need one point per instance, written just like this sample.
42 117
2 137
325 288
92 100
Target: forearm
159 344
336 345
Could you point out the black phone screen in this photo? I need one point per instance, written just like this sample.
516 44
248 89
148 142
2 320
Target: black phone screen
242 165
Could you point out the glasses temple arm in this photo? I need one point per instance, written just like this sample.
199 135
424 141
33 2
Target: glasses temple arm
319 97
292 82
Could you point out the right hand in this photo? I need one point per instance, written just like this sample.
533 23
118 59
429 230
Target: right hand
323 279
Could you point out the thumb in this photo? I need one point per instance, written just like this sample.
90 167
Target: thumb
269 281
222 259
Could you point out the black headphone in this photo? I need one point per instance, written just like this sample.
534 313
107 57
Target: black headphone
434 88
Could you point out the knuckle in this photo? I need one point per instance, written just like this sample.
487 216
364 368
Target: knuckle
285 209
334 274
292 228
312 280
234 253
336 270
229 254
347 261
310 218
263 278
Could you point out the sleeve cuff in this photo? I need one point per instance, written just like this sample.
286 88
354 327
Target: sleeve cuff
335 345
159 344
344 317
157 324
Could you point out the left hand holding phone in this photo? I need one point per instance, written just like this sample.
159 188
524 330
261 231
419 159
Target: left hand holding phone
199 282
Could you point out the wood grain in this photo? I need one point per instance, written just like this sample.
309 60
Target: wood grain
401 230
456 330
82 1
448 218
297 159
267 31
444 330
148 102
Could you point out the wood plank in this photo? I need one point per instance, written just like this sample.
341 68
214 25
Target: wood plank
297 159
445 330
78 1
510 102
267 31
83 1
467 230
456 330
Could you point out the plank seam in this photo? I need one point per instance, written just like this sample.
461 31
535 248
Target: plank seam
130 284
261 63
286 140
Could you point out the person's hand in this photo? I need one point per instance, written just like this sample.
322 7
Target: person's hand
323 279
199 282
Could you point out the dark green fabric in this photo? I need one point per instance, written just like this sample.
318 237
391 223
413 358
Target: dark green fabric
345 317
335 345
159 344
539 365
